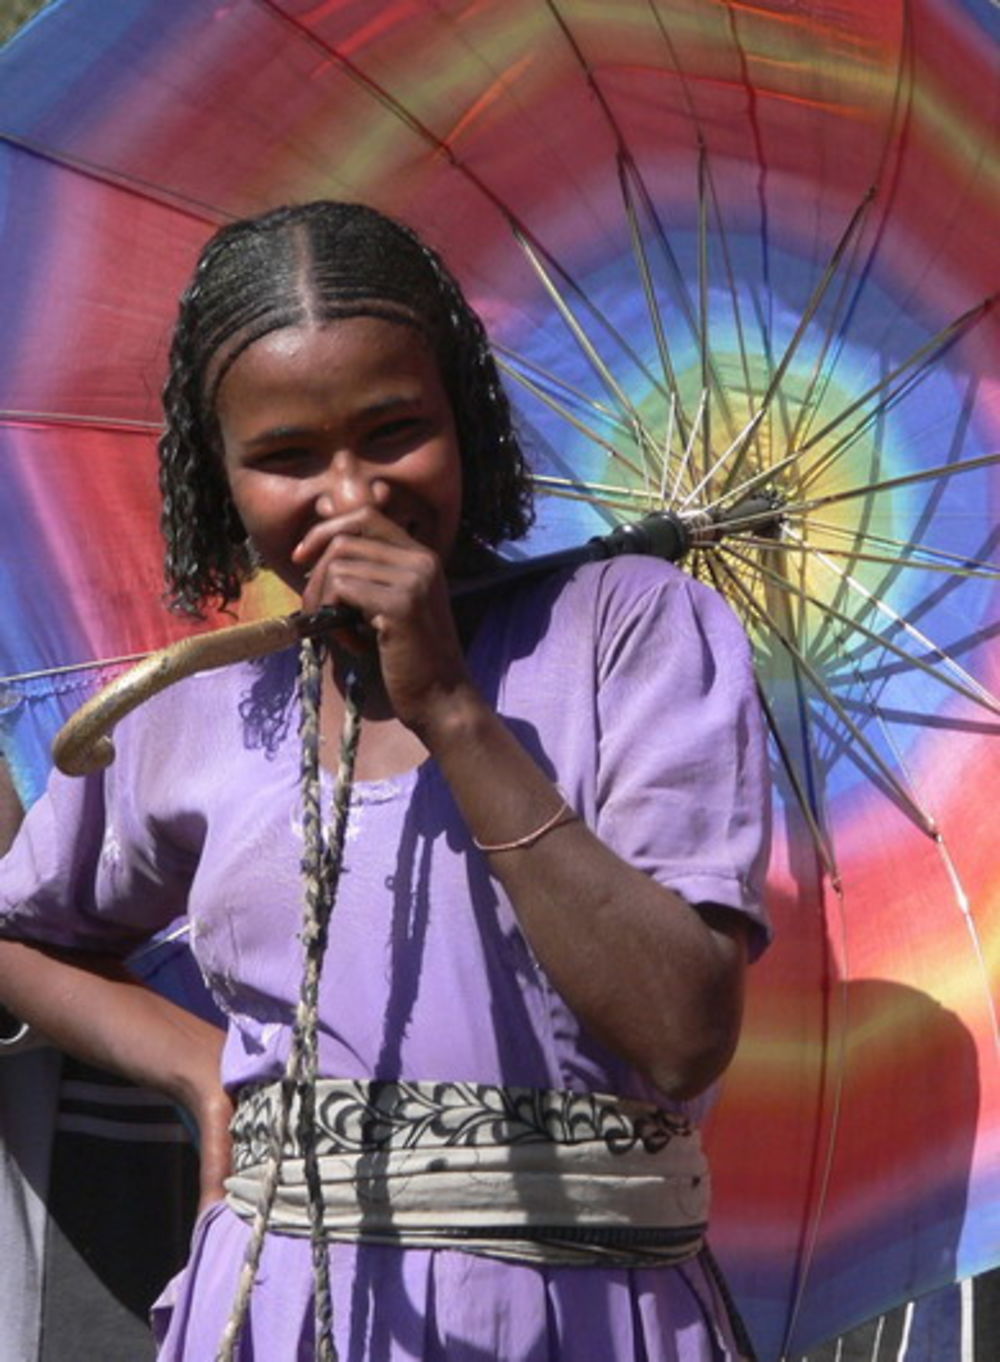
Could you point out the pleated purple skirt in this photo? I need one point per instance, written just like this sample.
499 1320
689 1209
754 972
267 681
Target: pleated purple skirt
419 1305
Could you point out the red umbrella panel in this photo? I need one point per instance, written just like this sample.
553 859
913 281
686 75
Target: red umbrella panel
739 260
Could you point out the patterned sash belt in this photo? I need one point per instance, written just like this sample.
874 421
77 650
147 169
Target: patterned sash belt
519 1173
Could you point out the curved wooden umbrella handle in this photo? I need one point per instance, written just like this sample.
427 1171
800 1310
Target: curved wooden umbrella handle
83 744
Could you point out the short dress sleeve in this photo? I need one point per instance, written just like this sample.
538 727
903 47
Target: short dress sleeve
88 869
682 788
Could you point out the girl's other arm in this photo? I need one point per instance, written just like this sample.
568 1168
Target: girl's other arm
91 1007
11 812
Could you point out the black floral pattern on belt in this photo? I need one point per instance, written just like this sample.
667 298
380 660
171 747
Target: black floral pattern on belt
355 1116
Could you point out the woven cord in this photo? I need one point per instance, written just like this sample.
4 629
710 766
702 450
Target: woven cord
322 862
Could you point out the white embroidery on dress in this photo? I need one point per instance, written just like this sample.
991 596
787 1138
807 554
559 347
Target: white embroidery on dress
111 849
354 822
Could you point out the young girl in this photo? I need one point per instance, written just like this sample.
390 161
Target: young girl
553 856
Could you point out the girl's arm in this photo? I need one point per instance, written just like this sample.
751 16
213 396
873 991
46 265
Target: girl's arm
11 812
91 1007
657 980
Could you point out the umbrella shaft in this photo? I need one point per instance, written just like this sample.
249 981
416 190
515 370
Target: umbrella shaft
662 534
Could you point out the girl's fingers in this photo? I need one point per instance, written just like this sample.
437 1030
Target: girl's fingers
396 584
365 523
355 569
373 585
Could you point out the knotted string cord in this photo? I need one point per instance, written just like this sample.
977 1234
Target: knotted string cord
322 862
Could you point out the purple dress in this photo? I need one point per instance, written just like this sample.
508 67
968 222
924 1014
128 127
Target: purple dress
631 685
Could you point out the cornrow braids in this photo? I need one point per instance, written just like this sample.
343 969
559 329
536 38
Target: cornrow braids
315 263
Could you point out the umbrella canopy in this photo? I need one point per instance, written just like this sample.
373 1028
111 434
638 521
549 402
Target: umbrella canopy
739 259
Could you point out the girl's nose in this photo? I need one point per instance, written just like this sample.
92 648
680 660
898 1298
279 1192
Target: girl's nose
349 483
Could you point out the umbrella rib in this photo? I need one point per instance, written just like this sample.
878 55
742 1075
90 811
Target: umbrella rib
801 508
744 489
951 564
700 322
515 364
687 307
668 444
807 784
894 135
734 298
919 816
830 456
685 86
965 908
598 490
686 461
706 418
890 397
823 847
93 664
838 1063
559 406
652 305
197 209
824 1163
960 681
552 402
586 346
962 900
773 391
741 441
61 419
914 366
815 299
390 103
625 501
961 564
536 252
822 374
588 73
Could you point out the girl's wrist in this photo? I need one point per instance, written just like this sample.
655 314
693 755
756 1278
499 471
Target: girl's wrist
454 719
195 1081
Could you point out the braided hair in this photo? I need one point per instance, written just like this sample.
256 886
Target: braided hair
310 264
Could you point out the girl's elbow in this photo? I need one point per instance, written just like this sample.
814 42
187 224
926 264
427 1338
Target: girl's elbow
691 1071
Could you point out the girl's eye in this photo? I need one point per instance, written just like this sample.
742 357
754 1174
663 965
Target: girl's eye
391 432
281 460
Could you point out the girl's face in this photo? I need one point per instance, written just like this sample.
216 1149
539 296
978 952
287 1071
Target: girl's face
318 420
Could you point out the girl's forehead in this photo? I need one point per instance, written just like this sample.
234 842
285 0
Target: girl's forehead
367 335
357 340
337 366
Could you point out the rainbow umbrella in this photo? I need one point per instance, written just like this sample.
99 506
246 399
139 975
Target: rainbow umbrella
739 260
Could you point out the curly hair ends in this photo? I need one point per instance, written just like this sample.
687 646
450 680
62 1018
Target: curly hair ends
314 263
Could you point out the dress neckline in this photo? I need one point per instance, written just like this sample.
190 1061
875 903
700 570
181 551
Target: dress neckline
381 790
